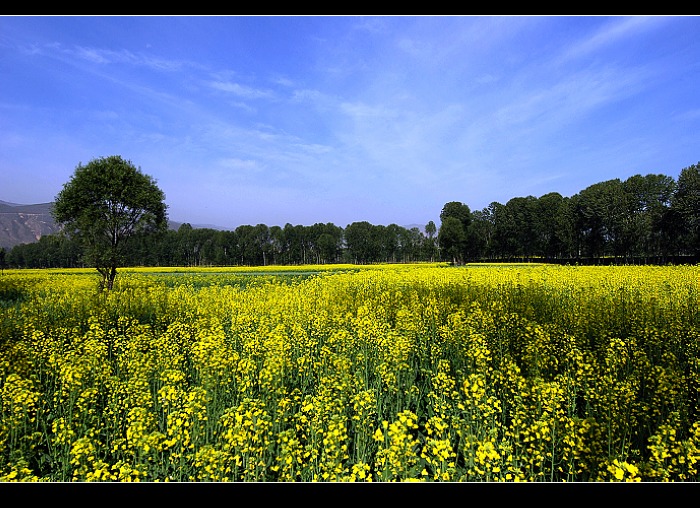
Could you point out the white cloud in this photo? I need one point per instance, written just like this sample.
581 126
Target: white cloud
103 56
245 165
618 28
241 90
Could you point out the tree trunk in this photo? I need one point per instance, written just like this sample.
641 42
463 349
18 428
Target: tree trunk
108 276
112 275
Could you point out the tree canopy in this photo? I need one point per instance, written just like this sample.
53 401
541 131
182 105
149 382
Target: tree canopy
105 205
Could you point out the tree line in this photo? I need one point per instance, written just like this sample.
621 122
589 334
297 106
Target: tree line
247 245
644 219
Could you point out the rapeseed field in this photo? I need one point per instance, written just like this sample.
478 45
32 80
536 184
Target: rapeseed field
342 373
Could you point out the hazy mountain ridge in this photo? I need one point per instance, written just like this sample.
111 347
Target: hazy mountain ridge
25 223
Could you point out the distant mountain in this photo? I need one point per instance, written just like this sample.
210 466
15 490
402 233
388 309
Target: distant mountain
421 227
28 223
25 223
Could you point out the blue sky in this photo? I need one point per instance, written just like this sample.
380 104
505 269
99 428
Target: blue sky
275 120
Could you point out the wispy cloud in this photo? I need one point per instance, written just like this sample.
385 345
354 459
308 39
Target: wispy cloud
241 90
100 56
688 115
613 30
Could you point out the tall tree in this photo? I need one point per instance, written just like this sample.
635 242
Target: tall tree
457 210
430 246
390 240
247 248
327 242
600 218
187 248
430 230
105 204
499 239
480 232
412 241
547 219
565 230
452 239
262 242
686 204
648 199
521 226
453 234
277 244
363 242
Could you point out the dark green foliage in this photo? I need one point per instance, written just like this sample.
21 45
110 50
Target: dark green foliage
685 203
107 206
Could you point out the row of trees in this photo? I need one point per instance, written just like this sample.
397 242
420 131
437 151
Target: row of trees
642 218
259 245
651 218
